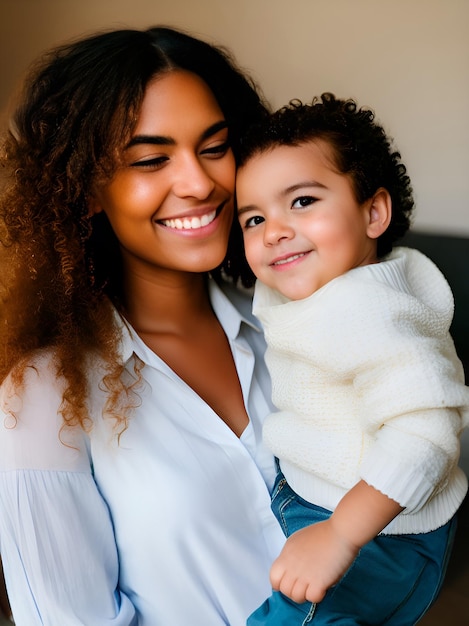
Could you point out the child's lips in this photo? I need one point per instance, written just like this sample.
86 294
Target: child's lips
288 258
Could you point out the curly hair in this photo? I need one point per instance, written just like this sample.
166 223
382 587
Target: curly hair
61 269
360 147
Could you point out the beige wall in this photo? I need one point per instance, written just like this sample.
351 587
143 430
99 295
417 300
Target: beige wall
408 59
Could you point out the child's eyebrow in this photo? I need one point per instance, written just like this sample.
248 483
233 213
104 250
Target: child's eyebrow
305 184
245 209
302 185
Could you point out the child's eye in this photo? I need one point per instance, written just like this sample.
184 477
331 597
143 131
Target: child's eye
152 163
253 221
216 151
303 201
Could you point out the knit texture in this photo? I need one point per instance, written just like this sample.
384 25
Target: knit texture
369 386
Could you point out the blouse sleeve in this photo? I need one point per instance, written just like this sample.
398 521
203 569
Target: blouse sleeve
56 535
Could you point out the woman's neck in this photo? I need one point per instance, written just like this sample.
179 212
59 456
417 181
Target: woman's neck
172 314
167 303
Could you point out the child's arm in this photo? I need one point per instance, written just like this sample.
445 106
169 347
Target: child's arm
316 557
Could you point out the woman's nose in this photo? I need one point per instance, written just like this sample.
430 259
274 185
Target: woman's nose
192 179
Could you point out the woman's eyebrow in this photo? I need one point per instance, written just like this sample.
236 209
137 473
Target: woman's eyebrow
214 128
158 140
162 140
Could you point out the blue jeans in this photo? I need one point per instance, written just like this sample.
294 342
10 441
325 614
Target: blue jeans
394 580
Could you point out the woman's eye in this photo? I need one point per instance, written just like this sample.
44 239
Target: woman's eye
152 163
303 201
216 151
253 221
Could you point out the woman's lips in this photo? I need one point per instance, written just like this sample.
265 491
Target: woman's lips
190 223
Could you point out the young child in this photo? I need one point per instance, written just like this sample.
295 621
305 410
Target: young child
370 392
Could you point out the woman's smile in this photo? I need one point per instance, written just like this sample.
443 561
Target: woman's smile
190 223
194 221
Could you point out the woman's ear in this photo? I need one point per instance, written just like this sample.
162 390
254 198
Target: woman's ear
94 205
379 213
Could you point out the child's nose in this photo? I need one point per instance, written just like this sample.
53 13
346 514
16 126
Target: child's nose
277 230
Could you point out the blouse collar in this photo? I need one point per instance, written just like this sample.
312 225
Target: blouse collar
231 307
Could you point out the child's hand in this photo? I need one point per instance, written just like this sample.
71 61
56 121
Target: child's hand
316 557
312 560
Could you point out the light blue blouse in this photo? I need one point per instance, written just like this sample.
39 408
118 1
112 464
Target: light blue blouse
170 525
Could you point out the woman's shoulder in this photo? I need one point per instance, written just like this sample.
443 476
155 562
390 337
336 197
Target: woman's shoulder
36 373
32 430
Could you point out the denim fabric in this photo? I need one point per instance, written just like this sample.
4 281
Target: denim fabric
394 580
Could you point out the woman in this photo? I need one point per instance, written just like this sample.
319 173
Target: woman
134 485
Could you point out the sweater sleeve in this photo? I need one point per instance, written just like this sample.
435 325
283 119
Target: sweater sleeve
405 465
411 395
57 541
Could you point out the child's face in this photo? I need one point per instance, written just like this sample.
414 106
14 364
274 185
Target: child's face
301 223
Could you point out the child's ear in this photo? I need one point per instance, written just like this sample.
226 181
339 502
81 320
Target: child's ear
379 213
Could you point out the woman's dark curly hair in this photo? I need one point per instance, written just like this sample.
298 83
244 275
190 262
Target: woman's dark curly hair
361 150
61 273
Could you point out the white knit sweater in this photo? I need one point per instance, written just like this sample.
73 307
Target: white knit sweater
369 386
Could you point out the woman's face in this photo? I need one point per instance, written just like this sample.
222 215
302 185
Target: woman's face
170 203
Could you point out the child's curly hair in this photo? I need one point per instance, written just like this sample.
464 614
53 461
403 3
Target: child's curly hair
361 150
61 279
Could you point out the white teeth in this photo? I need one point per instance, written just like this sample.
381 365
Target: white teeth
190 223
289 259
